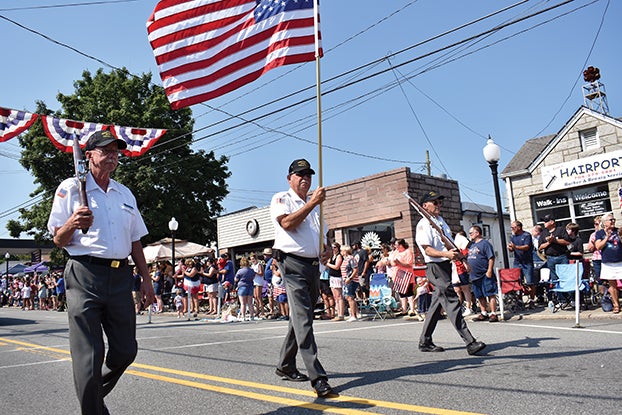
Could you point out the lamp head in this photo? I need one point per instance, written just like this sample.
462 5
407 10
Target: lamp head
492 152
173 224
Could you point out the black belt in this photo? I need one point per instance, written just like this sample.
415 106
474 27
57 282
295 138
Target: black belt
112 263
310 261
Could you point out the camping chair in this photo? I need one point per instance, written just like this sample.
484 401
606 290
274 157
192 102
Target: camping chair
569 278
511 289
380 299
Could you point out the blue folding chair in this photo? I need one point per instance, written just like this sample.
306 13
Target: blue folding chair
569 276
381 300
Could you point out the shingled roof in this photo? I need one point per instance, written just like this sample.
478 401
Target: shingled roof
526 155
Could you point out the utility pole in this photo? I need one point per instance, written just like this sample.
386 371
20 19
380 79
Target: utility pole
427 162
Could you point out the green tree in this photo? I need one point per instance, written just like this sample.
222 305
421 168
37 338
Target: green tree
169 180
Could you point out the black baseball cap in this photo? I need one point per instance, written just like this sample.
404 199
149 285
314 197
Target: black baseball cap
300 166
431 196
548 218
102 139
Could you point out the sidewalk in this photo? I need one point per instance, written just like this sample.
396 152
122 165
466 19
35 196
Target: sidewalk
543 313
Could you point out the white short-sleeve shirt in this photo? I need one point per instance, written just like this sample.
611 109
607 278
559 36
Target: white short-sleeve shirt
427 235
305 239
116 219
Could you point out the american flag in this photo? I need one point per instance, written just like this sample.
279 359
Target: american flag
206 48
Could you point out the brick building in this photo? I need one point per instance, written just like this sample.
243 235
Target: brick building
371 209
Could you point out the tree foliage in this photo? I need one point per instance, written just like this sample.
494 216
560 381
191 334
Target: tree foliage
170 180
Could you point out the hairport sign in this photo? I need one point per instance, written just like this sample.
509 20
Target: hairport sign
599 168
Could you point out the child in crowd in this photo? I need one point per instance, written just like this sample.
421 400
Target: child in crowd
423 297
279 293
179 303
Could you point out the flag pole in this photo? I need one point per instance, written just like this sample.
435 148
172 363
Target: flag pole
316 26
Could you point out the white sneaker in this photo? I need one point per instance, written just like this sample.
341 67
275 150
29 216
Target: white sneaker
351 319
467 312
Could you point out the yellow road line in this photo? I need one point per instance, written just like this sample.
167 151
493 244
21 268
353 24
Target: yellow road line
371 403
252 395
351 399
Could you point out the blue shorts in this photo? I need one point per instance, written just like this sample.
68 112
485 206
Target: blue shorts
282 298
245 291
464 280
349 290
484 287
526 270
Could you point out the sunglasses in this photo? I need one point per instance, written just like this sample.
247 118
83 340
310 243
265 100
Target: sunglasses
437 202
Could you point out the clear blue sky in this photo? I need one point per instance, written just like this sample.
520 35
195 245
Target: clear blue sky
521 82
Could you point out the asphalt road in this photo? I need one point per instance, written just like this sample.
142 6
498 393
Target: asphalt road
540 364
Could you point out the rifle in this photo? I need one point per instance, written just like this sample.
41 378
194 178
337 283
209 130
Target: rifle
81 170
448 242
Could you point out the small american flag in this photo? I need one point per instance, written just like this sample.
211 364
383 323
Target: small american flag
206 48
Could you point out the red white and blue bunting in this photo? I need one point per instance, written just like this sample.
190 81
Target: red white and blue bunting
138 140
14 122
61 131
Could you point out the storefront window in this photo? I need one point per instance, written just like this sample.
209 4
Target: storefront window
579 206
372 234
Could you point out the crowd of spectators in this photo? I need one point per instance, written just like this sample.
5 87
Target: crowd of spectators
259 292
36 291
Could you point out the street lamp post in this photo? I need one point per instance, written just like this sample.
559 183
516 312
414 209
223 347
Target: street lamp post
6 258
172 226
492 154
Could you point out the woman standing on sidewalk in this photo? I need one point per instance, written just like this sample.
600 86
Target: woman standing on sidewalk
608 241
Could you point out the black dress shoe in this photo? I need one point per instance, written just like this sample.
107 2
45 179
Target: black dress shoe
294 376
323 389
430 347
475 347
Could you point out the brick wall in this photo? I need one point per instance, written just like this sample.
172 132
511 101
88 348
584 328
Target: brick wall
379 198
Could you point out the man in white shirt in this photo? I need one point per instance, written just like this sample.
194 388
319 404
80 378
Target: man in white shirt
438 261
296 219
99 237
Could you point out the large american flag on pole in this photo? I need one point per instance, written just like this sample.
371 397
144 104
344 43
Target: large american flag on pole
206 48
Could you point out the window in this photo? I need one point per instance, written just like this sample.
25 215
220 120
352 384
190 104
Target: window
373 232
589 139
580 206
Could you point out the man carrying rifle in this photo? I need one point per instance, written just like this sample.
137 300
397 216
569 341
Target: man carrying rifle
98 279
438 260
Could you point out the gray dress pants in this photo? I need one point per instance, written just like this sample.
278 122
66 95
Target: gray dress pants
99 300
443 297
302 281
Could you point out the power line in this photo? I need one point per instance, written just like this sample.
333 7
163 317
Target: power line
56 6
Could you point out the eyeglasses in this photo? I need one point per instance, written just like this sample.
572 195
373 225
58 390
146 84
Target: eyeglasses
107 152
303 174
437 202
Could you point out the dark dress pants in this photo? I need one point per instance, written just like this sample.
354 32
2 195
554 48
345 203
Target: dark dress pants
443 297
99 300
302 284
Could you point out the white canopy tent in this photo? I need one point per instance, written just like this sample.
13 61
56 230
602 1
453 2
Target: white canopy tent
162 250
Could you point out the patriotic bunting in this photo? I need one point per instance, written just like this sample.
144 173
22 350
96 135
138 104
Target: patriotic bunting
14 122
206 48
138 140
61 131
